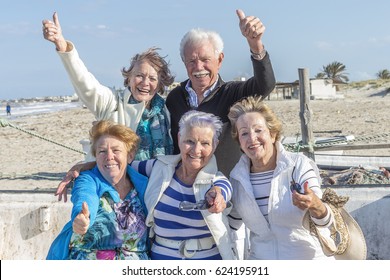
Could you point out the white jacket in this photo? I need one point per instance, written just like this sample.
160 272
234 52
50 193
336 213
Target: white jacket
99 99
162 174
284 237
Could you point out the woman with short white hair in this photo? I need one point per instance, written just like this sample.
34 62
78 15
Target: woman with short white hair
186 196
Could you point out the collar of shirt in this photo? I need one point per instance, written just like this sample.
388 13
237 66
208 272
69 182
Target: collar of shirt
193 97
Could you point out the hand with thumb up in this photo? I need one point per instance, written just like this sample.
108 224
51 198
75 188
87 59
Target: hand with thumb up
81 222
252 29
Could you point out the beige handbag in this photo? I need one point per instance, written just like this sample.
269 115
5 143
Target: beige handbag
347 240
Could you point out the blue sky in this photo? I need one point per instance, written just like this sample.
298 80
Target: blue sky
299 34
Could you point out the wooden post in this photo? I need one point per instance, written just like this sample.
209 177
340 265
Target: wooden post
305 113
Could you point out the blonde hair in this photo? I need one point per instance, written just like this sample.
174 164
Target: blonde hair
121 132
252 104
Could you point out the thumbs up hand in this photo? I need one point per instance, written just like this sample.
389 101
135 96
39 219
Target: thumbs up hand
52 32
81 222
252 29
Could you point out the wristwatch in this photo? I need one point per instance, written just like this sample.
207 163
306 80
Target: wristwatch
259 56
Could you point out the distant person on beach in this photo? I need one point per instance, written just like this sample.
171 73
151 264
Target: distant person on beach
205 90
110 199
8 109
140 107
273 189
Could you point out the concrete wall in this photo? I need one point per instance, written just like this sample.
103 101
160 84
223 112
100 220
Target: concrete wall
320 89
29 221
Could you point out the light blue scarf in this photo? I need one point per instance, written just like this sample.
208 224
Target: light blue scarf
153 130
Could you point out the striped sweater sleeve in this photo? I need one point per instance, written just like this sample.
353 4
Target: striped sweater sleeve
226 187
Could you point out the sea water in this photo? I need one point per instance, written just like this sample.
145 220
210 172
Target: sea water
32 108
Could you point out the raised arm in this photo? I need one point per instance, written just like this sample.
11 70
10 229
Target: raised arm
99 99
263 80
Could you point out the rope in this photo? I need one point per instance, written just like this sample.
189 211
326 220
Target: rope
298 146
15 175
4 123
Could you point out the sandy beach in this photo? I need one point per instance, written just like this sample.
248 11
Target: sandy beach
28 162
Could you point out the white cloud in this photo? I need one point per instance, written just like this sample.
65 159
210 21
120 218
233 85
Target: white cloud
349 44
19 28
382 41
327 46
324 46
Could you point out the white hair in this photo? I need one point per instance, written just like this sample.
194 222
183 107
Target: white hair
195 118
197 36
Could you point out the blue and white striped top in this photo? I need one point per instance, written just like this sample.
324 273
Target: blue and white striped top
261 183
261 186
175 224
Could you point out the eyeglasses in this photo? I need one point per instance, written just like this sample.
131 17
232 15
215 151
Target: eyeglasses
198 206
191 206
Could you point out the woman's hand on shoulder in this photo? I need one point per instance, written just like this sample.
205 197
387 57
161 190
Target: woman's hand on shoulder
62 190
70 176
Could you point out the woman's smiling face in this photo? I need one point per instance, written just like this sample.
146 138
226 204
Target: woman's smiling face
143 81
254 136
112 158
196 147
